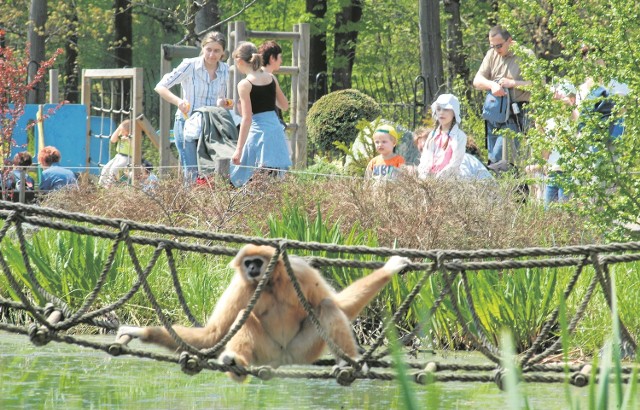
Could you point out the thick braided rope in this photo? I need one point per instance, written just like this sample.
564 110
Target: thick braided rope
291 244
479 328
601 277
337 350
59 303
73 319
573 324
176 285
551 321
266 373
142 277
444 291
215 350
402 310
484 349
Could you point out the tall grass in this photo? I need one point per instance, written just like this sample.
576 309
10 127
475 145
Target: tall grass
68 266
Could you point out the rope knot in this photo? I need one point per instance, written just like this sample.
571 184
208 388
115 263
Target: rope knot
500 377
581 378
345 376
124 229
427 376
265 373
39 336
48 309
189 364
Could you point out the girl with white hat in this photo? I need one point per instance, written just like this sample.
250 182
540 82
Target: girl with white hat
445 147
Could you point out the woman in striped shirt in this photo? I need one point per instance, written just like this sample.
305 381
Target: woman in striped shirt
203 82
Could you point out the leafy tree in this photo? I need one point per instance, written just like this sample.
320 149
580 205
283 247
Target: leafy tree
601 171
14 90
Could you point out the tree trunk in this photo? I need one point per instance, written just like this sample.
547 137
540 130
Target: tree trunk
317 46
207 16
431 47
37 21
456 57
71 57
122 48
346 37
123 34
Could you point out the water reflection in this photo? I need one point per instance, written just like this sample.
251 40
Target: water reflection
71 377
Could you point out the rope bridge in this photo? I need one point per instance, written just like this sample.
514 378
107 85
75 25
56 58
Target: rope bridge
52 320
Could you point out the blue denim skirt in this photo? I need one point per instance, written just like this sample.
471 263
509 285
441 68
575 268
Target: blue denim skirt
266 147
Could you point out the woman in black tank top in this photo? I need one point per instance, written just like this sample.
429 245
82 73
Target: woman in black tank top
261 143
263 97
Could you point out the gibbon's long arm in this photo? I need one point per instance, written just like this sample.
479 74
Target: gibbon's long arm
232 301
352 299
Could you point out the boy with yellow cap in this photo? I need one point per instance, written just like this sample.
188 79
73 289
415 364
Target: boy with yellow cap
387 164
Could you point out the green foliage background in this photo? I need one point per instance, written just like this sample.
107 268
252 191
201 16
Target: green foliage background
334 118
603 183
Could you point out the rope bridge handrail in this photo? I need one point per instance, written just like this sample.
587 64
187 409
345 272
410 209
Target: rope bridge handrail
57 316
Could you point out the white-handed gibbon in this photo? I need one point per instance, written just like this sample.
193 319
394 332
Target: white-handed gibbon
278 331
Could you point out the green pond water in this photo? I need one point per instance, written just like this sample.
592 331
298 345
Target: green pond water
61 376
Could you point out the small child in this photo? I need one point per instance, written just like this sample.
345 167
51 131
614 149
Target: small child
444 149
148 179
13 181
122 137
388 163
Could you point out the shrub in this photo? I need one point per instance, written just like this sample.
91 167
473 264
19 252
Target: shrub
334 117
322 168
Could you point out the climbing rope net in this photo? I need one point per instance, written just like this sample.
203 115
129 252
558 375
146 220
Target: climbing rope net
54 318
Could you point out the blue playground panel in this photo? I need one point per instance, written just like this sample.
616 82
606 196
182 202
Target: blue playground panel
66 129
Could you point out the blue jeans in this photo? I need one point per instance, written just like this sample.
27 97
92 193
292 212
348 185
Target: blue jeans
616 129
187 150
515 123
553 192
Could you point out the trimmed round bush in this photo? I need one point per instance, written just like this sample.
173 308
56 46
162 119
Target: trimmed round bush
335 117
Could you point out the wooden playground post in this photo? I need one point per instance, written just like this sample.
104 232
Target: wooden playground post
133 74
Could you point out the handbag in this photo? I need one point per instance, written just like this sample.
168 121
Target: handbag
496 109
604 104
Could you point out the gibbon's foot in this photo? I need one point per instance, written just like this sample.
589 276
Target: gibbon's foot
396 263
343 364
340 364
229 359
132 331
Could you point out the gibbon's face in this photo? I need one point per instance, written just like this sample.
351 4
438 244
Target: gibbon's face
254 267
